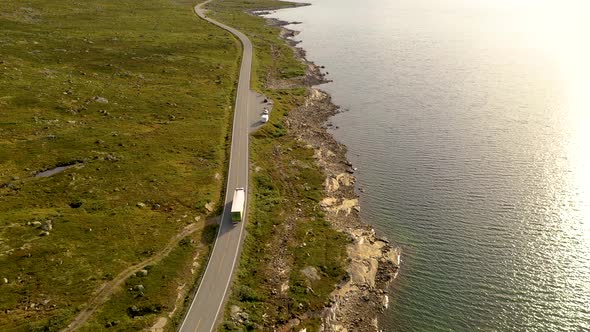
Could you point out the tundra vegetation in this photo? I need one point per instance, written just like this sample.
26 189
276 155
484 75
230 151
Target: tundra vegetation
137 97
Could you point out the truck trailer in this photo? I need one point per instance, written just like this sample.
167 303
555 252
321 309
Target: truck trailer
237 206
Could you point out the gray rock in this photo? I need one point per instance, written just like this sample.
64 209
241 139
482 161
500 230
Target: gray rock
139 288
244 316
141 205
44 233
143 272
101 100
311 273
47 225
5 280
234 311
36 224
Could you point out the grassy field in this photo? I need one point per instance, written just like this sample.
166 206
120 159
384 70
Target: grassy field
155 294
137 95
287 187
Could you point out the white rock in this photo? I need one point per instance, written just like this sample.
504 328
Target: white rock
101 100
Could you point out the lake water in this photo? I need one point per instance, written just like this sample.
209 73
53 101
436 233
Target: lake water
469 122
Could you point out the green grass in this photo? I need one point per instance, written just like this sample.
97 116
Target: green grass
288 185
160 289
272 56
169 79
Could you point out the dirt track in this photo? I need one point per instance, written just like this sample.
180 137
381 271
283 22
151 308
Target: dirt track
104 292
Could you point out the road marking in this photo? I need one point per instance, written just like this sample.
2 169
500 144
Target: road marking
198 324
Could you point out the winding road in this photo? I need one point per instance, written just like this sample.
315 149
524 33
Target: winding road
209 300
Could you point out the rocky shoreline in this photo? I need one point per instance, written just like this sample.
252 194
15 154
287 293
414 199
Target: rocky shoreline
372 262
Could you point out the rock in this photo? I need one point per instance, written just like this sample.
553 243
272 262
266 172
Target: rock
209 206
141 205
143 272
328 201
5 280
244 316
139 288
101 100
44 233
311 273
331 184
234 311
285 287
36 224
47 225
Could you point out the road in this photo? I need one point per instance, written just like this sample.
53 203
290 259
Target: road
209 300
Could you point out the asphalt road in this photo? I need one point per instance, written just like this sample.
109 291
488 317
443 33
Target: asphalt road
209 300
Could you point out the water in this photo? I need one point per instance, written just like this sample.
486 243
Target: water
469 122
52 171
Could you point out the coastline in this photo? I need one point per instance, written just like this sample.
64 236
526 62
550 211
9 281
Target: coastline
372 262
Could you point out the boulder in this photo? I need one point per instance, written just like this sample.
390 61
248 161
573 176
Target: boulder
47 225
234 311
101 100
311 273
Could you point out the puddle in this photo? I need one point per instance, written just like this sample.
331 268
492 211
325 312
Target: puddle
53 171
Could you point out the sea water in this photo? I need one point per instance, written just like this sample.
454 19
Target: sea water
469 123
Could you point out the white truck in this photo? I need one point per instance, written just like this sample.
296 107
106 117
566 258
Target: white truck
237 206
264 118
